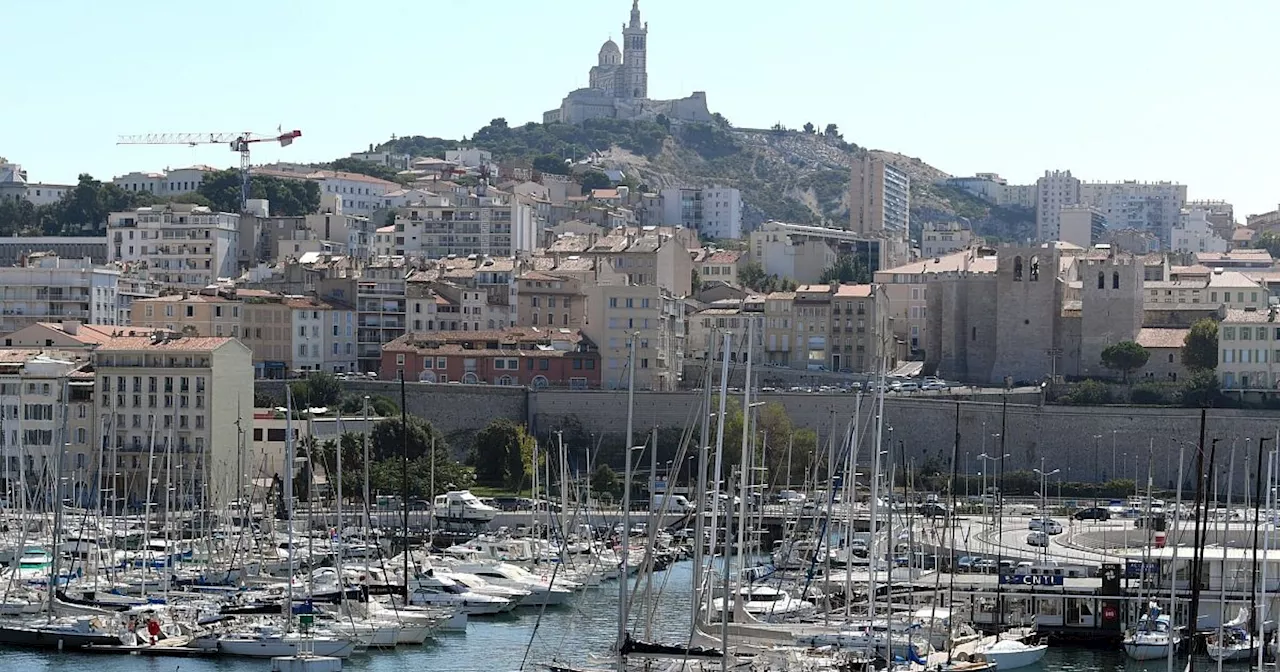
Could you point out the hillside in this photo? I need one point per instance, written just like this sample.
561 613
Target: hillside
788 175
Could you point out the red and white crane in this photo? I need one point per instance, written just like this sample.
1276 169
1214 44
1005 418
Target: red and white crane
239 142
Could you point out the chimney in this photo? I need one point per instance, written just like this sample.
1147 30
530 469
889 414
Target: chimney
72 327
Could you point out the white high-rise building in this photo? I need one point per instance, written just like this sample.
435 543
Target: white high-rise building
1194 233
714 212
182 245
1154 207
1053 191
51 289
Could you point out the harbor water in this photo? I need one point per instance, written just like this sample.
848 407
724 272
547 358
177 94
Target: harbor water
527 640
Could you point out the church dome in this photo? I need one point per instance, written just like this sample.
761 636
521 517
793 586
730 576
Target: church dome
610 54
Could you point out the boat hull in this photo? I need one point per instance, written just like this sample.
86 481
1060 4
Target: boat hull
1147 650
273 647
1012 660
42 638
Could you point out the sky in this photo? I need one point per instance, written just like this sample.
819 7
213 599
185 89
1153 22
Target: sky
1152 90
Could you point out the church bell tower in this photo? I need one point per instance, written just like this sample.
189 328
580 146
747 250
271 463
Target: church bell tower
635 81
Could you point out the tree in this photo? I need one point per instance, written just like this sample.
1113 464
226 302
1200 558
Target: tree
751 275
808 128
289 198
386 442
550 165
501 454
720 120
594 179
663 121
318 389
1200 347
1089 393
832 131
1201 390
380 405
264 400
1269 241
604 481
847 269
1125 357
351 165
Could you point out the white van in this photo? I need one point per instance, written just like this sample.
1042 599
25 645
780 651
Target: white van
671 503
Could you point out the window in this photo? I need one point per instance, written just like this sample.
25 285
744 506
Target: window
644 362
1017 269
499 363
1102 280
613 302
1115 280
440 363
544 364
400 359
1228 333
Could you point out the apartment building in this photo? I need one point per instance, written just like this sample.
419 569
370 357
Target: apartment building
465 224
939 238
1249 343
164 183
1195 232
14 249
546 299
1151 206
381 304
801 252
179 244
1218 288
1056 189
48 288
324 335
195 314
188 393
536 358
833 327
1081 224
647 259
41 392
359 194
69 335
879 198
708 326
654 316
720 266
714 212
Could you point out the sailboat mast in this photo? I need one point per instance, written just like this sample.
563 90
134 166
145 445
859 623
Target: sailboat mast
624 572
718 470
57 505
700 495
287 494
744 472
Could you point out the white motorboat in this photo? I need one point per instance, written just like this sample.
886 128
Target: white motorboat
270 642
1153 637
1011 654
767 604
479 585
442 591
542 591
461 505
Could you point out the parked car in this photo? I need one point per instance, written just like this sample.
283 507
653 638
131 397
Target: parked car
985 566
932 510
964 563
507 503
1046 525
1093 513
1038 539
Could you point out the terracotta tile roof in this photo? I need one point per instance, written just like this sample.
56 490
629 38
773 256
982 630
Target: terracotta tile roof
1162 338
24 355
182 298
723 257
185 344
519 339
87 333
854 291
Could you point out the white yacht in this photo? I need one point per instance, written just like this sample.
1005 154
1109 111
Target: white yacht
766 604
1153 637
442 591
542 590
461 505
270 642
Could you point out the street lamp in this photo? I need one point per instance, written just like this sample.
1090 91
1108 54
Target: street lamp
984 457
1097 443
1044 512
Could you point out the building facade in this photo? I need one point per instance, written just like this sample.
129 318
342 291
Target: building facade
188 393
180 245
48 288
519 356
939 238
879 198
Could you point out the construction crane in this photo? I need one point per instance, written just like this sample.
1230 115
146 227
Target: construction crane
239 142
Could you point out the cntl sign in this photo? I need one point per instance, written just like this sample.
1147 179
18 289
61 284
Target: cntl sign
1030 580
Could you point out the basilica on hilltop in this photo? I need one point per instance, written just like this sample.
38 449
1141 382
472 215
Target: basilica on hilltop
618 85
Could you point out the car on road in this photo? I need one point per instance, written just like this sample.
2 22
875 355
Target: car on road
932 510
1093 513
1038 539
1046 525
985 566
964 563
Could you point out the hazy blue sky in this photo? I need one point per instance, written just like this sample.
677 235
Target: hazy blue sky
1153 90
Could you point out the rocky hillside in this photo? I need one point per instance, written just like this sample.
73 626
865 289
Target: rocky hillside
787 175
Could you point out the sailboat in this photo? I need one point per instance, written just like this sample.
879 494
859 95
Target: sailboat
1154 636
1233 641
